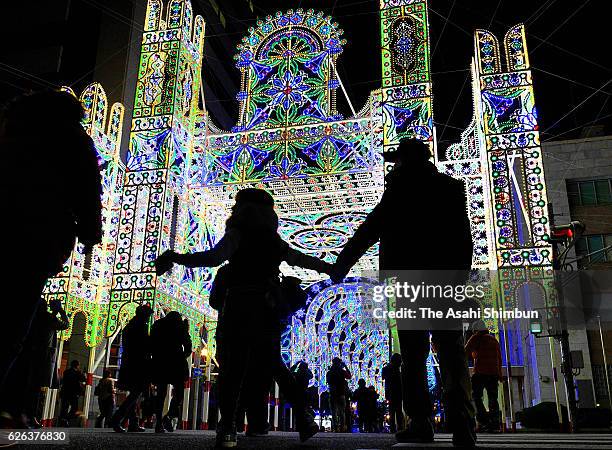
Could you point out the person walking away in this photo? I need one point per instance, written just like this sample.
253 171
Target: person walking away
105 390
361 396
134 371
303 375
35 367
336 378
433 235
171 346
72 388
392 377
48 322
484 348
371 418
248 330
60 203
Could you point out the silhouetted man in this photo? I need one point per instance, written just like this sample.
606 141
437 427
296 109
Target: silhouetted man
484 349
59 202
392 377
303 375
171 346
135 370
72 388
362 397
422 224
372 415
336 378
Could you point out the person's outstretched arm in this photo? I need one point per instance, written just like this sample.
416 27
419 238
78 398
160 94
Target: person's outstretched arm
294 257
366 235
216 256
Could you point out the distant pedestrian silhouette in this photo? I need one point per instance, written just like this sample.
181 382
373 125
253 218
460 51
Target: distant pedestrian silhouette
362 397
484 348
171 346
135 369
422 224
36 366
372 410
105 390
392 377
248 330
302 374
73 386
336 378
51 195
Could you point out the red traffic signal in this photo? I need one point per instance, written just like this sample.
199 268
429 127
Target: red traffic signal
567 233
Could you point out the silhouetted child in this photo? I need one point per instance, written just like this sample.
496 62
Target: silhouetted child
248 331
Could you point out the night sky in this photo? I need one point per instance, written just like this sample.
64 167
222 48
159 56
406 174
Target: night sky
564 39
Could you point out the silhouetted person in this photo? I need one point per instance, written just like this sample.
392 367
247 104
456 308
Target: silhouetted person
42 217
484 348
336 378
171 346
72 388
422 224
372 410
248 330
105 390
325 407
392 376
135 370
362 396
36 366
302 374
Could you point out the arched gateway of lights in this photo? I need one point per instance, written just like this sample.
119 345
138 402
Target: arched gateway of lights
325 171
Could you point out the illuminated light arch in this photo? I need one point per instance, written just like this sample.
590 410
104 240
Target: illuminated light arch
337 322
324 171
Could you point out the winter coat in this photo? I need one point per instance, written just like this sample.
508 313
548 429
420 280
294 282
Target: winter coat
134 372
171 346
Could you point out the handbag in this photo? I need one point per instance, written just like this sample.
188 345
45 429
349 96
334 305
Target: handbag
220 286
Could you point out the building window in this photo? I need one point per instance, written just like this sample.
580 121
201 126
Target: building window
589 193
594 245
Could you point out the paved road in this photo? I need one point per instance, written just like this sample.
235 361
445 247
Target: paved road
184 440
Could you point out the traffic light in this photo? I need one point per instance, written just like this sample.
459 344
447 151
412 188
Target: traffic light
568 233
